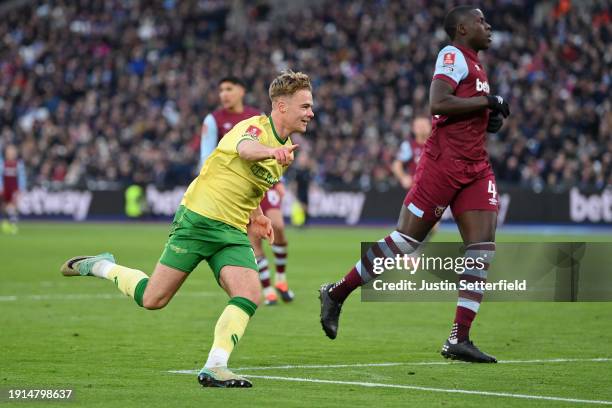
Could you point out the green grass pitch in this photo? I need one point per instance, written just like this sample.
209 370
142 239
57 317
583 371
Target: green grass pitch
82 334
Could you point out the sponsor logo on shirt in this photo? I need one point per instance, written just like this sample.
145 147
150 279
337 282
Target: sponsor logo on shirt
482 86
263 173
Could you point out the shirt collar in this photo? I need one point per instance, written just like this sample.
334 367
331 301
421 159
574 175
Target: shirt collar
281 141
470 52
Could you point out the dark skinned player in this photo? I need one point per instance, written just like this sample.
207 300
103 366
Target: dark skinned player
455 170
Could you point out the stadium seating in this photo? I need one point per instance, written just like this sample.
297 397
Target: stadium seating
106 94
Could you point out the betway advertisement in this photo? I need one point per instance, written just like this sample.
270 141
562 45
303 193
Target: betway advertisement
517 205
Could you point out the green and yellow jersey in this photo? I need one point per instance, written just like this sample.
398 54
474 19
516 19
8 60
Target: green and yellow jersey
228 187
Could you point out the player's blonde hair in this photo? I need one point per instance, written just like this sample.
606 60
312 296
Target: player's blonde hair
288 83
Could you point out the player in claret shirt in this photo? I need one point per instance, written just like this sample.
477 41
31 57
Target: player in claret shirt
12 182
222 120
211 224
410 152
454 171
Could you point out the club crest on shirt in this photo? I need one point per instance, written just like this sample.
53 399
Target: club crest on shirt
448 59
439 210
253 131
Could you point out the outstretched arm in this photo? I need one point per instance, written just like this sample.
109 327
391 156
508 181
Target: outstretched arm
254 151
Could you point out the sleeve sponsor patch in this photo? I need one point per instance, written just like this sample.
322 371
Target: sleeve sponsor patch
448 59
252 131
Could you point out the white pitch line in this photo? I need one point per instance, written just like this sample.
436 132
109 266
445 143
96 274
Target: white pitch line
289 367
419 363
558 360
442 390
84 296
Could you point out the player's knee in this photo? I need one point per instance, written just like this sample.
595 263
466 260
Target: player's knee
154 302
253 294
256 298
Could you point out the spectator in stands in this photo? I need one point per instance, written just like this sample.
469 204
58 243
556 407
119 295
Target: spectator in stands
106 94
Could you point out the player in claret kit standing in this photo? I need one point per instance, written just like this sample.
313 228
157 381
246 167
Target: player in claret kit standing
410 152
455 170
271 207
214 127
12 181
232 110
211 223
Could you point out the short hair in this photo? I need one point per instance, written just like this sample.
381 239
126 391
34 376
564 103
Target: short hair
454 17
288 83
232 80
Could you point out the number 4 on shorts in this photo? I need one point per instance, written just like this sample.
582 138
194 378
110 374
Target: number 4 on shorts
491 189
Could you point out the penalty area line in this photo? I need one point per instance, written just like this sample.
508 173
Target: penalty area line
430 389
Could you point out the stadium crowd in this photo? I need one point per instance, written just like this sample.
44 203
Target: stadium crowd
109 93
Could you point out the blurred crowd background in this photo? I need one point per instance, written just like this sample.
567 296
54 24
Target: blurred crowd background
103 94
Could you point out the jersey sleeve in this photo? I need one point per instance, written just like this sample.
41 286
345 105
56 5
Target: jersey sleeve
21 176
231 140
209 138
405 152
451 66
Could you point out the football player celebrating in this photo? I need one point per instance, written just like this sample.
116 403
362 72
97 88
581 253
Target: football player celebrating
211 224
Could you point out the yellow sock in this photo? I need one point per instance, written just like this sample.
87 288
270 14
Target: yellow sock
229 330
131 282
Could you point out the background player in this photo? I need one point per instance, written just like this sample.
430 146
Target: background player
455 170
303 177
232 110
12 181
215 126
410 151
271 207
210 224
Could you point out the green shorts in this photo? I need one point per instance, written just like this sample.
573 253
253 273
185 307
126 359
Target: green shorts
194 238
